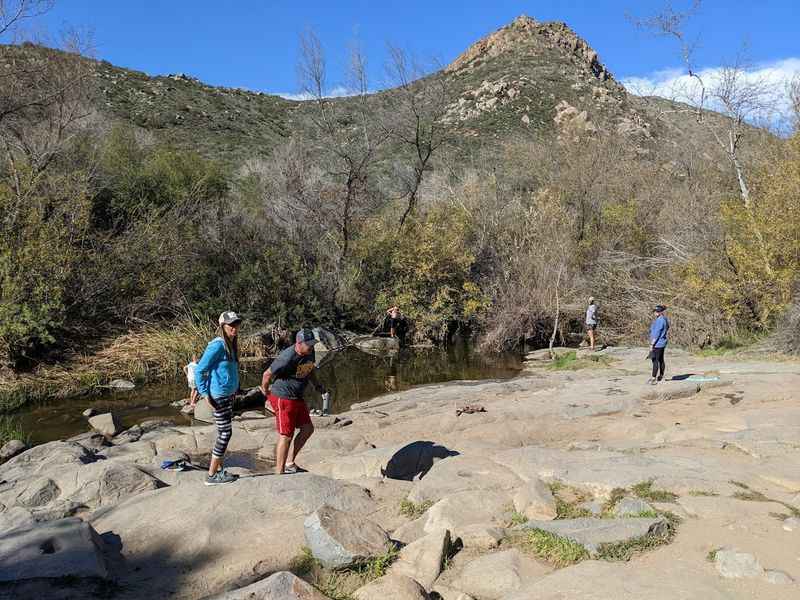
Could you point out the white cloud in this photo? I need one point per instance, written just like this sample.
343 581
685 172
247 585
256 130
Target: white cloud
772 78
338 92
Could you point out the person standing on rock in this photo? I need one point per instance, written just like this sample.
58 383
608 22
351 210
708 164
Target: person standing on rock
658 343
290 373
217 380
189 370
591 321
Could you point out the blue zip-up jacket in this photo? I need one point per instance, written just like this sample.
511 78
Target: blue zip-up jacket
217 374
658 332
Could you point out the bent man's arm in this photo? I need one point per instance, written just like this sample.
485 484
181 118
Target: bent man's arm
265 381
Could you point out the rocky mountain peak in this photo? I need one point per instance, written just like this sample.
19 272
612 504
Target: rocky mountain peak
527 35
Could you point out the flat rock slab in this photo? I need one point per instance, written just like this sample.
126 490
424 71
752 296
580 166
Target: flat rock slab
338 539
461 473
68 547
280 586
705 507
602 471
600 580
495 576
734 564
630 506
198 540
591 533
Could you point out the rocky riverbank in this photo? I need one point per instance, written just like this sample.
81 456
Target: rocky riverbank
570 483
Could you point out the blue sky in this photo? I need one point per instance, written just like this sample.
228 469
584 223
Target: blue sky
254 44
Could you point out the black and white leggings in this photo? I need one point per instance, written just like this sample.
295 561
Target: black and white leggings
223 413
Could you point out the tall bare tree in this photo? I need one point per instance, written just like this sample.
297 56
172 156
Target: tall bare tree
734 92
347 137
13 13
43 104
416 105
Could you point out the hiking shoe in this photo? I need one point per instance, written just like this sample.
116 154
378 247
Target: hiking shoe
220 477
176 465
289 469
652 381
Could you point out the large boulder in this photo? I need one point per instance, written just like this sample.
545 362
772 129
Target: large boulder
220 537
422 560
535 501
108 424
377 345
338 539
394 587
11 448
481 537
280 586
66 548
472 507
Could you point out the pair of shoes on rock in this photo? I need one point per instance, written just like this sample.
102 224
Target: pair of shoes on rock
220 477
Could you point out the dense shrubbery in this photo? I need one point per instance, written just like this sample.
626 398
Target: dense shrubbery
104 230
148 233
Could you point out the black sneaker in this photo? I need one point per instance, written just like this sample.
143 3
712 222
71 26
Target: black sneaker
220 477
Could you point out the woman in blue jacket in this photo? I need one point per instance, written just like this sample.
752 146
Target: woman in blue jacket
658 343
217 380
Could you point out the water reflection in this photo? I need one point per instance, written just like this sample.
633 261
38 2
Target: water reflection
351 375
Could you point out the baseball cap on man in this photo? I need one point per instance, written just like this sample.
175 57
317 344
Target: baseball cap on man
660 308
229 318
306 336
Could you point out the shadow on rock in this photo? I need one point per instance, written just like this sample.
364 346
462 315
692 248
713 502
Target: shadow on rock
415 460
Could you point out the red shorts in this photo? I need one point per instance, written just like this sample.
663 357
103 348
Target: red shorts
289 414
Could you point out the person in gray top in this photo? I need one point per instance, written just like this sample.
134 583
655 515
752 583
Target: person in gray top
591 321
291 371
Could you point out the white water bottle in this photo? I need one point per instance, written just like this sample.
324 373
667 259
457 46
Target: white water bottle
326 402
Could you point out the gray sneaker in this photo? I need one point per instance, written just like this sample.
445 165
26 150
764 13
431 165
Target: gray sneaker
220 477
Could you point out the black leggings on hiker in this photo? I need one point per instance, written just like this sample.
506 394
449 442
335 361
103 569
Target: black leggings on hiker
223 414
658 363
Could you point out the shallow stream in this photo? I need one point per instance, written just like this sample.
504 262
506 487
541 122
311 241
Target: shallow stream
351 375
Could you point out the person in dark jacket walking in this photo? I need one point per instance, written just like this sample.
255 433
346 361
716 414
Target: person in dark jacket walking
659 330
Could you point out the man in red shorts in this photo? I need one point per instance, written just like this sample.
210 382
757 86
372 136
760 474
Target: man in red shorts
292 369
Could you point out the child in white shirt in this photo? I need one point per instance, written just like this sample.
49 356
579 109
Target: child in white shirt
189 370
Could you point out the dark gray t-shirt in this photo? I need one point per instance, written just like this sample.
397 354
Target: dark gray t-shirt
291 373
